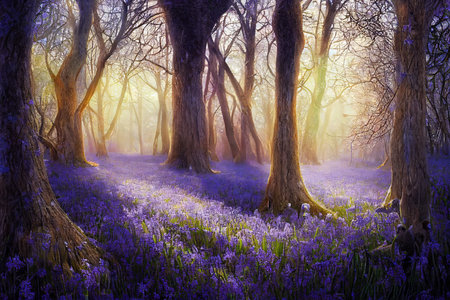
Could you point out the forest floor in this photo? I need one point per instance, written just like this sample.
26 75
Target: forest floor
237 186
178 234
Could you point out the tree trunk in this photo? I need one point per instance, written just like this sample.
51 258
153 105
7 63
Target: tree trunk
163 115
244 96
212 138
101 141
248 23
285 183
249 80
309 143
323 130
139 124
190 24
115 119
219 81
157 132
130 130
67 123
410 181
29 211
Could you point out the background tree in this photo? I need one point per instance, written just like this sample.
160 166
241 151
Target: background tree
438 71
160 69
320 58
127 69
285 183
133 14
218 77
374 24
66 85
190 24
29 211
248 14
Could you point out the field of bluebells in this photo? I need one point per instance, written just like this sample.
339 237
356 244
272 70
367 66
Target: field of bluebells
179 235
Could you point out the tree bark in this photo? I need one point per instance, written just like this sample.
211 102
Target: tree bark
285 183
29 211
69 136
190 24
309 143
410 180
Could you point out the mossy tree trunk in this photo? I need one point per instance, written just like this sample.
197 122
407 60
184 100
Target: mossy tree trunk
285 183
29 211
190 24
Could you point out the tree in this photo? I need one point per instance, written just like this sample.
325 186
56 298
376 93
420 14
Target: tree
133 15
320 57
190 24
218 75
161 87
438 90
247 14
410 180
29 210
285 183
208 97
69 142
127 69
248 20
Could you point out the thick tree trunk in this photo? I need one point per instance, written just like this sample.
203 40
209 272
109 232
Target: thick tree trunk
68 123
410 181
285 183
309 142
190 24
29 211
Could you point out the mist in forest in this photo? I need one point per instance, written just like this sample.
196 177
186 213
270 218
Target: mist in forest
135 86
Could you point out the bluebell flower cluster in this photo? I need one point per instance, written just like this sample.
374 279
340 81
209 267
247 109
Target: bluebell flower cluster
180 235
